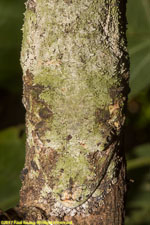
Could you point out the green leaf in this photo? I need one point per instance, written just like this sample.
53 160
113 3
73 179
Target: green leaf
11 19
11 163
138 203
139 44
138 217
135 163
142 150
142 157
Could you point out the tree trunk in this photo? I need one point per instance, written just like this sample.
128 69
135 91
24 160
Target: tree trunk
75 72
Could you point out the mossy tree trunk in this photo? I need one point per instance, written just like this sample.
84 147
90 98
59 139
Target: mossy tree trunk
75 72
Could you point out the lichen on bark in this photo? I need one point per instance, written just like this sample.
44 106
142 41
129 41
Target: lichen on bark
75 72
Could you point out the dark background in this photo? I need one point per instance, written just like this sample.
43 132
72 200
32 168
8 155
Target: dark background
137 132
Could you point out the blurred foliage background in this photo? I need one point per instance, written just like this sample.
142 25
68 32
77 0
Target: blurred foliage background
137 132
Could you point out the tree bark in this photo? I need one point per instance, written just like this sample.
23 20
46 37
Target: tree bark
75 73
